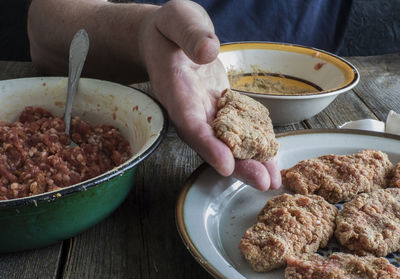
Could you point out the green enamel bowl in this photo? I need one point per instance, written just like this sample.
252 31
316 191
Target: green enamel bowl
44 219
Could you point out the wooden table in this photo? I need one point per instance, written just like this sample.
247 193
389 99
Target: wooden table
140 239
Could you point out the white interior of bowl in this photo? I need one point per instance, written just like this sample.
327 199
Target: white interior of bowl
136 115
299 65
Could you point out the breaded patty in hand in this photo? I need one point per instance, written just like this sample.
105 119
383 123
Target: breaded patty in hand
339 178
340 266
287 225
395 182
370 223
244 125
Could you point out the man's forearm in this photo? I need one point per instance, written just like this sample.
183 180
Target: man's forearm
113 30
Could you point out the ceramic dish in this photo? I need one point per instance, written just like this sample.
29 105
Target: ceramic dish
50 217
292 65
213 212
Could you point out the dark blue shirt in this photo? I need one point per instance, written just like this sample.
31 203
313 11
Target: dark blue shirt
316 23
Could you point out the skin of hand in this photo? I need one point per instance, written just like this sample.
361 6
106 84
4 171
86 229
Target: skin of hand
175 45
188 79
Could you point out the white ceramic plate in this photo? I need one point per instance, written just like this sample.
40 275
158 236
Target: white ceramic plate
213 212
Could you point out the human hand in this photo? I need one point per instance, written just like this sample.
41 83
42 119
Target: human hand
179 49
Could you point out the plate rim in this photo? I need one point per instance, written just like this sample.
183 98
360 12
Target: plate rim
179 209
180 224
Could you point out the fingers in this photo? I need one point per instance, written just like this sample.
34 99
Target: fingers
252 173
262 176
199 135
188 25
274 173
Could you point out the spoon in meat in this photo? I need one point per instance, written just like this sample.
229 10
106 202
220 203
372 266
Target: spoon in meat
77 55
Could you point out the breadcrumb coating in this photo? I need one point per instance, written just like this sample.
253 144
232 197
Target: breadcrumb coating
339 178
370 223
288 225
340 266
244 125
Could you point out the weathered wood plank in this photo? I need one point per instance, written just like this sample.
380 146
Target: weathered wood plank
379 86
140 239
346 107
291 127
38 263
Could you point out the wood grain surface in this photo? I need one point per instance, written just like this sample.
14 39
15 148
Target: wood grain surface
140 239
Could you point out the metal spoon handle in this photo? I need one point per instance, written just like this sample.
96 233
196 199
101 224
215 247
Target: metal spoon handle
77 55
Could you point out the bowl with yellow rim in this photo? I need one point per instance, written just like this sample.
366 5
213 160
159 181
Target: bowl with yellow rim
294 82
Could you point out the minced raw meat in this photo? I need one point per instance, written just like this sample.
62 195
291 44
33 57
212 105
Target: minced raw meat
35 156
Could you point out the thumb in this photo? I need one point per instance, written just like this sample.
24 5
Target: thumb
188 25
